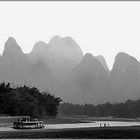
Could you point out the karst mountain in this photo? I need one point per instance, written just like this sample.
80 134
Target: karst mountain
60 67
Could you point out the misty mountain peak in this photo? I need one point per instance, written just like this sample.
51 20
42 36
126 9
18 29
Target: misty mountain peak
90 62
54 39
121 55
103 62
88 56
68 41
65 49
39 46
11 47
89 59
125 66
11 43
62 42
125 77
40 50
124 59
11 39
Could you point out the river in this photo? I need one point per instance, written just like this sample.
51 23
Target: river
81 125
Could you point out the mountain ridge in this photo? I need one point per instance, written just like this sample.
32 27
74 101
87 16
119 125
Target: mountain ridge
60 67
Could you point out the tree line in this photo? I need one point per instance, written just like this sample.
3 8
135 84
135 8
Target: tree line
27 101
127 109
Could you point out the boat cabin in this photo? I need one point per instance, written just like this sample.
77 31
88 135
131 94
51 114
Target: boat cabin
27 122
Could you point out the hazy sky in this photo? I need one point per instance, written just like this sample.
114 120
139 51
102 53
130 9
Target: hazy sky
101 28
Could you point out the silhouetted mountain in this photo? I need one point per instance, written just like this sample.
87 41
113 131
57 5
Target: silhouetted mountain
124 78
88 82
103 62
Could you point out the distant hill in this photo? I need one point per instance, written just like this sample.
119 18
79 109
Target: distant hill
14 66
88 81
103 62
61 54
125 78
60 67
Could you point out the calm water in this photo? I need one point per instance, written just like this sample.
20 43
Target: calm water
80 125
92 124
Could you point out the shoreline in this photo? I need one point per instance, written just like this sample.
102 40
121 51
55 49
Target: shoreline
83 132
97 132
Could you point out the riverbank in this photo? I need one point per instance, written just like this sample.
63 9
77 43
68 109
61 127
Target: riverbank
108 132
74 127
8 120
63 119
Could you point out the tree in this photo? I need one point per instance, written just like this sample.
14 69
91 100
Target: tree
27 101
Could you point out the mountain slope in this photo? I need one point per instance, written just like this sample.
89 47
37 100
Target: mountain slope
59 52
103 62
16 68
88 82
125 78
41 75
61 68
13 63
40 50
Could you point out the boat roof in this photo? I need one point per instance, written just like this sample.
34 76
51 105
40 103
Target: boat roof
31 121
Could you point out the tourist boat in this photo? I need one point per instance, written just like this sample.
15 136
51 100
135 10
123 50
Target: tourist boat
27 122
